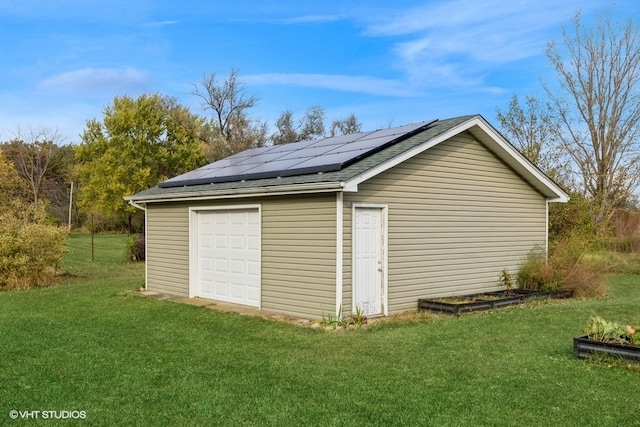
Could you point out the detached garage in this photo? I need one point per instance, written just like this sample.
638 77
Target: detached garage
374 220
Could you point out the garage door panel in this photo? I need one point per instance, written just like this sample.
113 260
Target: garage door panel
237 242
228 246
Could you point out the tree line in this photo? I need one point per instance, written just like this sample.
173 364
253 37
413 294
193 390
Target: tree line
142 141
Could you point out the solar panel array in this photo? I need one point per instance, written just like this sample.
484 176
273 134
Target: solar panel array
298 158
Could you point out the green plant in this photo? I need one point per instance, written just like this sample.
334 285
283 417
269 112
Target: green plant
135 247
505 279
601 330
535 273
566 268
359 317
31 250
332 320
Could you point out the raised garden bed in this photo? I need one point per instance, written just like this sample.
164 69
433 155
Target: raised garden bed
485 301
583 347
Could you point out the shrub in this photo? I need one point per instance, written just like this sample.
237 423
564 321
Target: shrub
566 268
136 248
30 248
536 273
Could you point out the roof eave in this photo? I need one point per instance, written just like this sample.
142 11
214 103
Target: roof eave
212 194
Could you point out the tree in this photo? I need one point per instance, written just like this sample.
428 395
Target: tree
345 126
139 143
229 102
30 247
287 131
598 105
13 186
532 129
32 153
311 126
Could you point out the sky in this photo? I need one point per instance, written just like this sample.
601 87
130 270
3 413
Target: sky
388 62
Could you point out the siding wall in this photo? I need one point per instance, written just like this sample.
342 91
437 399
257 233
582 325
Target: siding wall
457 217
298 251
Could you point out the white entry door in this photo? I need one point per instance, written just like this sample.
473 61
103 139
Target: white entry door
369 260
228 256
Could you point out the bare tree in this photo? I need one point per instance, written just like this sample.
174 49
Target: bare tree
598 105
287 130
345 126
229 102
311 126
532 129
32 153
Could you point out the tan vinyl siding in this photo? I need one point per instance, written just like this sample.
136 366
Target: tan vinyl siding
168 249
457 217
298 251
299 255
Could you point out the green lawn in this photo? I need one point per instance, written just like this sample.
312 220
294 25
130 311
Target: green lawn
88 345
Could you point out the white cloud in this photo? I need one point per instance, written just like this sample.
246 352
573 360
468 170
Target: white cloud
97 80
312 19
457 41
161 23
343 83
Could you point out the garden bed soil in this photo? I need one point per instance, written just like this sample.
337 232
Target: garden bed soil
584 347
485 301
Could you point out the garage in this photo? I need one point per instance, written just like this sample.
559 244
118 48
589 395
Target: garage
226 261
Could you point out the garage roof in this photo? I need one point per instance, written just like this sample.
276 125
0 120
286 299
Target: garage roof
298 158
223 179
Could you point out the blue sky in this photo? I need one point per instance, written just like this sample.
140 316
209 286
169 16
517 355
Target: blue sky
389 63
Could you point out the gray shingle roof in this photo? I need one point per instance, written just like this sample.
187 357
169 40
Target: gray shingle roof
157 194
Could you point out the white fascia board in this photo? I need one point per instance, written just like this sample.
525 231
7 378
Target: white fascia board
324 187
489 137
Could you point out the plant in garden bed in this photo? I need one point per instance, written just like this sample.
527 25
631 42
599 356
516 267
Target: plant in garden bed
611 332
607 338
506 280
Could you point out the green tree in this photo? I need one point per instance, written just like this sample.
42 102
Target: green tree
13 186
139 143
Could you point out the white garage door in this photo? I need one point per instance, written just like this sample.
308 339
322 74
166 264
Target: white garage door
228 256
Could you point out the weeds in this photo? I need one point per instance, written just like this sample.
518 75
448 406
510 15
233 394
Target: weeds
339 321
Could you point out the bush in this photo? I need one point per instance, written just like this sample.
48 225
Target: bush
566 268
31 249
535 273
136 248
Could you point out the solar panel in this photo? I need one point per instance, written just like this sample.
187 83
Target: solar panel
298 158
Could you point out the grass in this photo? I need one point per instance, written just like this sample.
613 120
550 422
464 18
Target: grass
89 345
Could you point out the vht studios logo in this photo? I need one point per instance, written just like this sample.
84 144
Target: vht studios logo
48 415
